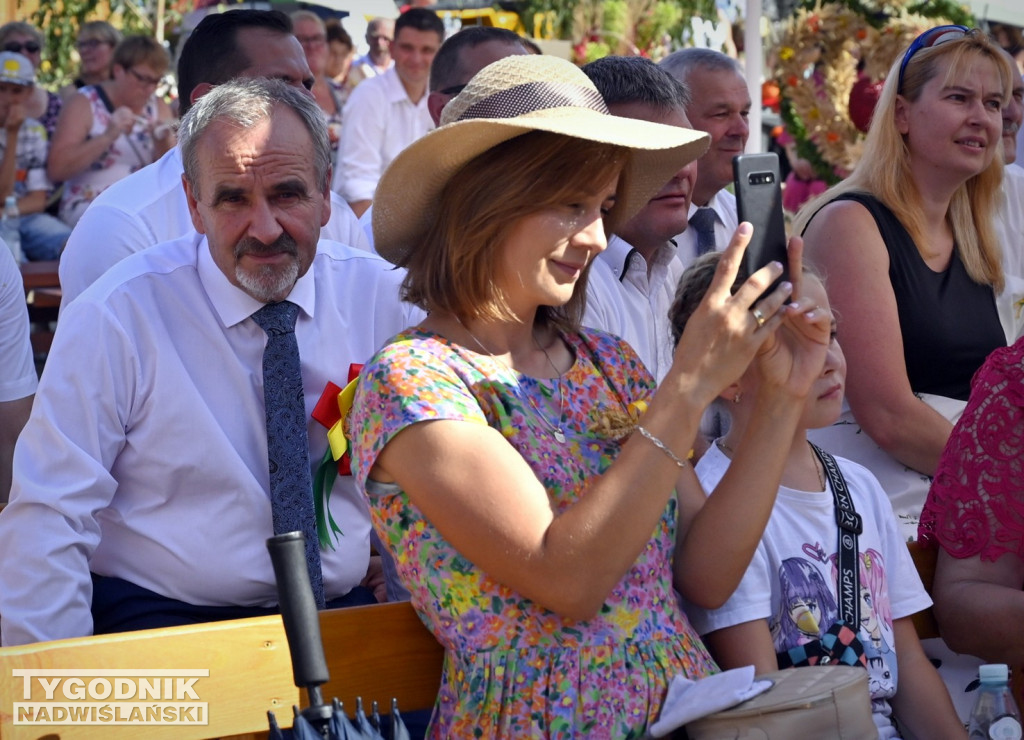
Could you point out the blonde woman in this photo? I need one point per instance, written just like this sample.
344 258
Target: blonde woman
95 45
330 96
913 264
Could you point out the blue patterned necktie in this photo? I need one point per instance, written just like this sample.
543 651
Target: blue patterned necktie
291 483
703 220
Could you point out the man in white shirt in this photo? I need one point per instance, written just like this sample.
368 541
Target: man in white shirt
385 114
1009 222
720 105
149 207
17 368
460 57
633 282
380 33
142 483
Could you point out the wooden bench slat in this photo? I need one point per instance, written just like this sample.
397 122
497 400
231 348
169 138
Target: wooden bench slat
377 652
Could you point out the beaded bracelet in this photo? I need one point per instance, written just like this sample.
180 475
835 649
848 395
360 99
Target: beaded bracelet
661 446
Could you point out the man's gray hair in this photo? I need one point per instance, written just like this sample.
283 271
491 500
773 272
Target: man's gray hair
246 102
637 80
681 64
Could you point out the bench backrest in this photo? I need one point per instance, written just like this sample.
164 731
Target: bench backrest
376 652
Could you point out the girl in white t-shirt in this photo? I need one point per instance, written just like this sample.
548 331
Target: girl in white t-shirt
788 598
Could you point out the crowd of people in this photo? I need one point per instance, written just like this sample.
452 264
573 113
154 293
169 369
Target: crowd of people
590 447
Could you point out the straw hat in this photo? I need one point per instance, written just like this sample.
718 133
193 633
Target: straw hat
510 97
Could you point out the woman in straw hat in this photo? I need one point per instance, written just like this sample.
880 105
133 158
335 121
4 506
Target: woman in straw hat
535 531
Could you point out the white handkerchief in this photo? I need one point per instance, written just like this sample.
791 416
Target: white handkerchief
689 700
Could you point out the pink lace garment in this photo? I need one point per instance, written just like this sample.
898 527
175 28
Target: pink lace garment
976 502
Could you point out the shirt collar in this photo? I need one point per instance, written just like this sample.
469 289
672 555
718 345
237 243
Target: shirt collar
620 254
232 304
394 89
714 203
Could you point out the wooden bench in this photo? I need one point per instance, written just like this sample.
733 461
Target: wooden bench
43 295
376 652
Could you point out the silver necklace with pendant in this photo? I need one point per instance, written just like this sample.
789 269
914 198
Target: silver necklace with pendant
557 430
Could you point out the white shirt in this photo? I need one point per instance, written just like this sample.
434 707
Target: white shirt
146 208
366 222
622 300
724 206
145 456
378 122
366 67
17 368
1009 226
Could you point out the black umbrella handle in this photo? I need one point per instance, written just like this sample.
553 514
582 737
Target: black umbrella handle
299 613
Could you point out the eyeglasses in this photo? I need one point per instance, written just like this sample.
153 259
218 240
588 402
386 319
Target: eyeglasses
30 46
453 90
932 37
90 44
378 37
144 79
312 40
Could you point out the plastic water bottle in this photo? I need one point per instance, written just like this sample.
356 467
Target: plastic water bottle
9 224
995 715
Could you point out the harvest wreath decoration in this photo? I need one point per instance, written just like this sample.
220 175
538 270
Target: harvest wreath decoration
826 102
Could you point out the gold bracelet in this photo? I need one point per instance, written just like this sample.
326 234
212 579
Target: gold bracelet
661 446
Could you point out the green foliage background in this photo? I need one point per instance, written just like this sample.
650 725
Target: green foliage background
59 21
639 21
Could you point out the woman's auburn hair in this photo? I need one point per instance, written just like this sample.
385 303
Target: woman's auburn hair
884 168
455 266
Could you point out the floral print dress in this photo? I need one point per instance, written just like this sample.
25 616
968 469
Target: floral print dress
513 668
129 152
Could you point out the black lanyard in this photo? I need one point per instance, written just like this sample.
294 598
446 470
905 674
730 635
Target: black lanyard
850 526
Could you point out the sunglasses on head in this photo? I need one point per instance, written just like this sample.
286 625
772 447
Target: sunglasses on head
30 46
932 37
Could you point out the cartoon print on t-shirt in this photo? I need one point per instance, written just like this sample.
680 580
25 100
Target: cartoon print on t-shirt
807 608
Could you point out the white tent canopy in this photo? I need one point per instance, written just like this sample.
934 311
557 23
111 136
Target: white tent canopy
1002 11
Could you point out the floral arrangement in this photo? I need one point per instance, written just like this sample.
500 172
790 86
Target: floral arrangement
816 62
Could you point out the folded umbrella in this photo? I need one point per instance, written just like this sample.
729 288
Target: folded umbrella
318 721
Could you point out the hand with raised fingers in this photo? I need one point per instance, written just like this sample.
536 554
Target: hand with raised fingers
793 358
724 333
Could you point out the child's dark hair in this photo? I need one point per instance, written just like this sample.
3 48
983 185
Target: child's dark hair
693 285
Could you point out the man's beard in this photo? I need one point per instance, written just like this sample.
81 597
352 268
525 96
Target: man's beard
268 283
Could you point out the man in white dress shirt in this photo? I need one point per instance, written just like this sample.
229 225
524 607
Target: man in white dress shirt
385 114
460 57
720 105
17 369
1009 222
380 32
632 283
142 484
148 206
